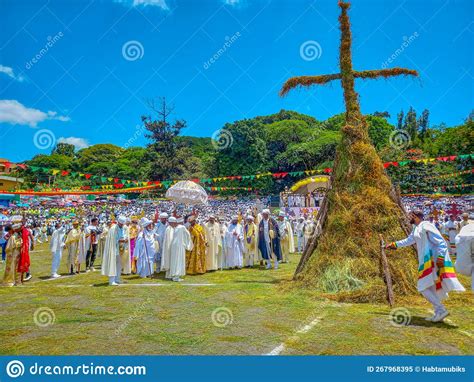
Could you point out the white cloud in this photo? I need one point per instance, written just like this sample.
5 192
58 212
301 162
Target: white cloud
10 73
135 3
79 143
233 3
15 113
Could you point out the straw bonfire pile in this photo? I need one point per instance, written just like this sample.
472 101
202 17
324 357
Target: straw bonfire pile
345 258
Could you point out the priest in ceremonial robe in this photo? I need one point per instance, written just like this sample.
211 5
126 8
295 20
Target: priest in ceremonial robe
287 240
196 258
250 240
234 240
176 242
144 250
214 243
72 246
116 244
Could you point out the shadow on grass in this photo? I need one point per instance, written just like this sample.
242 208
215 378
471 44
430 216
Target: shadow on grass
420 321
276 281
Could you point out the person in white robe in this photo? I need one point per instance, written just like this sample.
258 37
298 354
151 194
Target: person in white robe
145 248
234 237
465 252
451 232
299 231
82 254
56 246
287 240
223 250
73 238
436 275
160 229
115 244
176 242
250 240
309 228
214 243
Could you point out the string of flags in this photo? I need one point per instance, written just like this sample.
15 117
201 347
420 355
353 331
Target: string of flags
451 175
119 183
443 188
79 191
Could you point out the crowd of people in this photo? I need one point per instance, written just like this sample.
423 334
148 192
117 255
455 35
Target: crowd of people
144 238
150 237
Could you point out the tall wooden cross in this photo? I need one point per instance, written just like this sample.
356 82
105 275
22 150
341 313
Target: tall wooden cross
347 74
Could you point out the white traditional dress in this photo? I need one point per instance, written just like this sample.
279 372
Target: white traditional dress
176 242
465 252
72 243
287 240
214 242
112 261
434 264
145 253
234 238
160 230
56 245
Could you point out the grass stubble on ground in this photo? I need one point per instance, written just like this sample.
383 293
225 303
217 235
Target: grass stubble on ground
251 311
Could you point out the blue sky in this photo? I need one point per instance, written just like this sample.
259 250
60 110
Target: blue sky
81 71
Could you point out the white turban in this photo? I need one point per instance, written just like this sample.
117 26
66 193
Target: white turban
163 215
180 220
121 219
281 213
145 222
250 217
266 211
172 219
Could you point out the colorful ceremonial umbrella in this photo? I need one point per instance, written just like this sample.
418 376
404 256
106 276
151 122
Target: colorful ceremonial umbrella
187 192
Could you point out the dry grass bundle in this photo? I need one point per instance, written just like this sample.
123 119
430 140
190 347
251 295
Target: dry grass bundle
307 81
385 73
360 208
346 259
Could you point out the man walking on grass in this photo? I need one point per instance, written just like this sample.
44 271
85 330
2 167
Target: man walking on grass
436 275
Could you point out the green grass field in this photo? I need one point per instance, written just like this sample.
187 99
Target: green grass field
255 312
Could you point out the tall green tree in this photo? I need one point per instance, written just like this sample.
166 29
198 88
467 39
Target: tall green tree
64 149
168 156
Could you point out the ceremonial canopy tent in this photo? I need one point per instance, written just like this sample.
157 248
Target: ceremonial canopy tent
313 183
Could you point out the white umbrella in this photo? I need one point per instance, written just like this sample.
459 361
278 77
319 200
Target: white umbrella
187 192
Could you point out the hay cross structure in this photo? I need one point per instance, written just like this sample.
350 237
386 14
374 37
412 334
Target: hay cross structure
343 256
